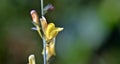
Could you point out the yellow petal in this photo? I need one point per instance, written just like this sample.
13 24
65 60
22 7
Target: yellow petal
53 34
52 48
59 29
49 28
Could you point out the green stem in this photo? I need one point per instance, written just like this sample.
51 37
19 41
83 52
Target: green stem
42 12
44 47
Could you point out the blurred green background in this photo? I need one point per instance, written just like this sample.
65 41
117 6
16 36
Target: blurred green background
91 32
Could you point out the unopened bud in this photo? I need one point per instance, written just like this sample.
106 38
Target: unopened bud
31 59
34 16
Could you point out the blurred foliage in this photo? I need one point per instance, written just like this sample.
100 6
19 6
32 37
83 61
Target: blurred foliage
91 34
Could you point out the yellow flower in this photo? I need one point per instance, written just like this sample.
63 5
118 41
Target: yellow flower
49 30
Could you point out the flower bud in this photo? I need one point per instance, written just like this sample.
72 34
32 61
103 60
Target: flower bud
31 59
35 17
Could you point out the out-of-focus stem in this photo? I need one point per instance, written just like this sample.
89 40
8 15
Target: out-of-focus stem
44 44
44 47
44 41
42 12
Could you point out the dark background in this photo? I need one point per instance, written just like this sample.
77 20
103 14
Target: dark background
91 32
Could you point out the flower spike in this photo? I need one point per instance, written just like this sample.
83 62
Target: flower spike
48 35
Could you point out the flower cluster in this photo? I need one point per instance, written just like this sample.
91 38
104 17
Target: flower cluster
48 34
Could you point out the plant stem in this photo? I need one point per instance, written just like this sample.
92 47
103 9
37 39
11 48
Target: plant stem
44 41
42 12
44 47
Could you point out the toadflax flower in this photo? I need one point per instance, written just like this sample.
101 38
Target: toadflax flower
50 32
